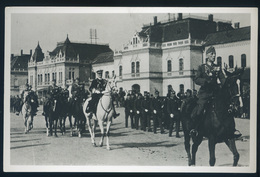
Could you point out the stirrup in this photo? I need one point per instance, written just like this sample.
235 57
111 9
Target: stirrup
116 115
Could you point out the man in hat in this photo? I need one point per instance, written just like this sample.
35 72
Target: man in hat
129 110
138 110
210 79
156 109
52 94
97 86
146 112
173 104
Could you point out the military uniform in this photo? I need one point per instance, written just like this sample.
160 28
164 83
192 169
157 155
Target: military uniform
156 109
173 105
30 96
138 111
146 113
51 95
129 111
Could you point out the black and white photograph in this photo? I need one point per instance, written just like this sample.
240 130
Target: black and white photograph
120 89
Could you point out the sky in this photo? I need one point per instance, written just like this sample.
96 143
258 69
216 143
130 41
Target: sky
112 29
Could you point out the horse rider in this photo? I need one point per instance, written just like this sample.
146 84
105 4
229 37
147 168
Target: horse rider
52 94
77 90
156 109
210 78
26 94
97 86
173 104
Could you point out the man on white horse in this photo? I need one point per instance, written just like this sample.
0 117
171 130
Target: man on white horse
98 85
28 93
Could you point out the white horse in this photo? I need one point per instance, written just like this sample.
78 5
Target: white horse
104 114
27 116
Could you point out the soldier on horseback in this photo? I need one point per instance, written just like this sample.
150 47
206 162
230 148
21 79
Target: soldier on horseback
98 85
211 79
52 94
30 96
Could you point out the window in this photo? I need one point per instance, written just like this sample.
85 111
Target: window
243 60
70 75
45 78
48 78
38 79
31 80
169 66
41 79
219 61
73 75
120 71
107 74
181 88
231 61
52 76
133 67
113 73
181 66
137 68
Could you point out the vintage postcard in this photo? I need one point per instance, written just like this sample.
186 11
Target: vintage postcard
100 89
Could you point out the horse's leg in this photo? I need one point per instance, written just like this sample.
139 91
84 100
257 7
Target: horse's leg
196 142
51 124
232 146
100 123
46 123
107 134
212 145
55 127
71 130
90 130
63 124
187 145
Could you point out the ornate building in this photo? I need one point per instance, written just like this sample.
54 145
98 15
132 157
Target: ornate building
66 62
19 72
168 52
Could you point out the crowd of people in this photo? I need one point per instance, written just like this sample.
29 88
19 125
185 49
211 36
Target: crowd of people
148 112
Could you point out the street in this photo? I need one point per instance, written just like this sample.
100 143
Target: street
128 146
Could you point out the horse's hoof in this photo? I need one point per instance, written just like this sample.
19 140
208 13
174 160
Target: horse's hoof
79 135
108 148
56 135
100 145
94 144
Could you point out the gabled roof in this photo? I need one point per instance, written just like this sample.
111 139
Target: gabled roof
104 58
228 36
20 62
85 51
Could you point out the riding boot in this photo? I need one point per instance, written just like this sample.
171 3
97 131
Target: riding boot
115 115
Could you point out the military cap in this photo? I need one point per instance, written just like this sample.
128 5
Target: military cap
189 90
156 92
128 94
210 49
145 92
100 71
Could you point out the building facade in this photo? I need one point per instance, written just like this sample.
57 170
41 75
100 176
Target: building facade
65 63
169 52
19 72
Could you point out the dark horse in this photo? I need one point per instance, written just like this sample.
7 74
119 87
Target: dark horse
217 120
54 109
77 112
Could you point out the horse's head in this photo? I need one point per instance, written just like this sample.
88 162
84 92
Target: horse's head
111 84
233 87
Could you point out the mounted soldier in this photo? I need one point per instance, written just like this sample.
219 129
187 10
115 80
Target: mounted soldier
211 78
97 86
52 94
30 96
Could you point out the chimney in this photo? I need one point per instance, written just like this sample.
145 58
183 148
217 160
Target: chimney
31 52
179 16
155 20
21 52
237 25
210 17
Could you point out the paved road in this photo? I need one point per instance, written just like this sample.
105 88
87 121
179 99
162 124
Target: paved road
129 147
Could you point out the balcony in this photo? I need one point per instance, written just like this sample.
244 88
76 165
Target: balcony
142 75
179 73
144 45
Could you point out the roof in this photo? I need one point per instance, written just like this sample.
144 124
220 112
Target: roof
20 62
181 29
228 36
38 54
104 58
85 51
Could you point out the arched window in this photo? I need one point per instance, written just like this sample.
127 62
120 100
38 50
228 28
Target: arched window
113 73
181 88
181 66
120 70
231 61
219 61
133 67
169 66
107 74
243 60
137 68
